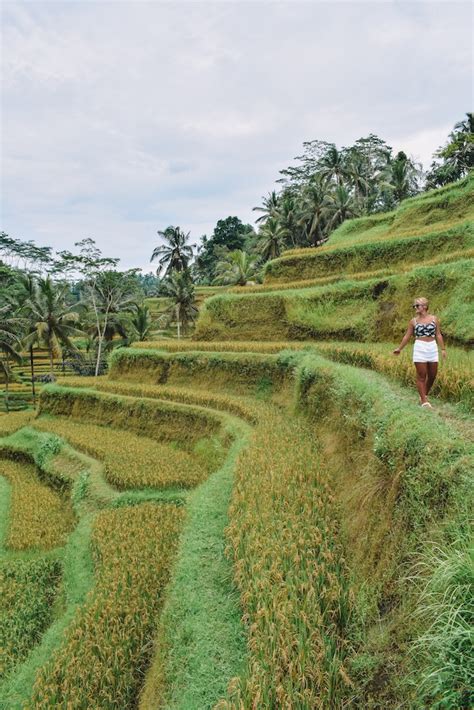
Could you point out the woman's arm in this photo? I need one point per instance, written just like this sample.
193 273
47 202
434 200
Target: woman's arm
405 339
439 337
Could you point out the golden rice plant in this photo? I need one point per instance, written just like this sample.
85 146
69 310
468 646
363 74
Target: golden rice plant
40 517
130 461
454 382
102 660
28 588
14 420
163 421
243 346
227 403
290 571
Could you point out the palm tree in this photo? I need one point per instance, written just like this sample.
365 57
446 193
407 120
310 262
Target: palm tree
270 206
466 126
287 215
180 289
271 239
27 283
141 322
333 165
10 344
235 268
314 204
401 177
51 319
175 254
356 172
341 206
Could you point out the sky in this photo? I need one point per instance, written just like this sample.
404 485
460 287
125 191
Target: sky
119 118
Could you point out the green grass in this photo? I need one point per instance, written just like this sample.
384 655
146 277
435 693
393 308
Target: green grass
447 205
370 256
204 370
446 609
201 644
130 461
349 515
375 309
28 589
164 421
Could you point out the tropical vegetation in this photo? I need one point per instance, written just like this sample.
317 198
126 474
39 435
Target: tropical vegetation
236 501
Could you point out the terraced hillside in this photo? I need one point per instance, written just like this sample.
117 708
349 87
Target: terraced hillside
359 286
243 524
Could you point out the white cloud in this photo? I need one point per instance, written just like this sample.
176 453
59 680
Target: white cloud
119 118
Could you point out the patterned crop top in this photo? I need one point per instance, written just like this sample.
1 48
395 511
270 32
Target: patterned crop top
425 330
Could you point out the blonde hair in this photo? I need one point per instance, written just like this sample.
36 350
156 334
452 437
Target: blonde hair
422 301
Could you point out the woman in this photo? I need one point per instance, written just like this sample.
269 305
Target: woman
427 332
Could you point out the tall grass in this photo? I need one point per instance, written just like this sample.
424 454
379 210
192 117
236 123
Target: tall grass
369 256
164 421
130 461
374 310
106 648
291 573
28 588
39 517
445 609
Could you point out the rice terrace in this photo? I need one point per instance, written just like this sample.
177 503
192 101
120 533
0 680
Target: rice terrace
258 514
236 398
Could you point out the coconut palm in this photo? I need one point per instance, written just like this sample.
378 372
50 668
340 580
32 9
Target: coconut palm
314 204
271 239
341 206
356 173
235 268
269 206
466 126
180 289
51 319
27 283
401 177
10 344
175 254
141 322
332 165
287 214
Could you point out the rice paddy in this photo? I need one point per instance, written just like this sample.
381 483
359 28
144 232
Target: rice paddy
260 517
130 461
40 518
28 589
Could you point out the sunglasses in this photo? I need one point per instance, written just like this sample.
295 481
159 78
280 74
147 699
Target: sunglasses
417 305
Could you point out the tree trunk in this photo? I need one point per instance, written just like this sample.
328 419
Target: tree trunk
99 353
178 325
7 380
101 340
51 363
32 367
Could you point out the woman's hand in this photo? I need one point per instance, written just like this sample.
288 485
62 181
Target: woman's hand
443 354
397 351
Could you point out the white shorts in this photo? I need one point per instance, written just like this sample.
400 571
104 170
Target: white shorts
425 351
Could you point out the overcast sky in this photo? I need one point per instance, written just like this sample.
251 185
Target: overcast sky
121 118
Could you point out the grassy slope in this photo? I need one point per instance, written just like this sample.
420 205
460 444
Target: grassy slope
401 490
377 265
383 485
222 623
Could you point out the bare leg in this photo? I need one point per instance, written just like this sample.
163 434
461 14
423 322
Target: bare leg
432 372
421 375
